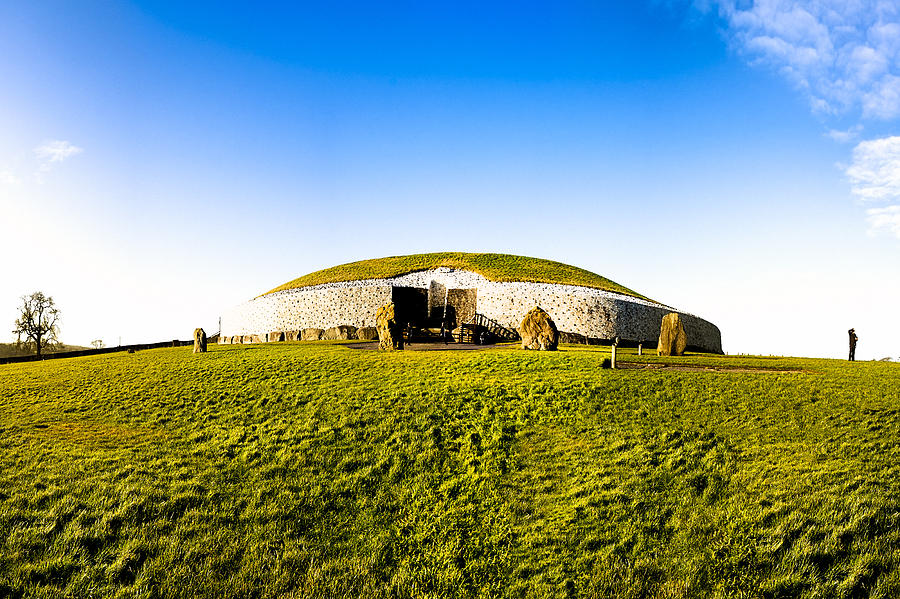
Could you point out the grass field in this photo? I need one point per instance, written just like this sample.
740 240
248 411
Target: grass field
495 267
314 470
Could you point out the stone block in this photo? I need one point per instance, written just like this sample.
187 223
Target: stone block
311 334
340 332
367 333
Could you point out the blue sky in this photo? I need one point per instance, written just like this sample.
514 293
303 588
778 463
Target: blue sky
736 161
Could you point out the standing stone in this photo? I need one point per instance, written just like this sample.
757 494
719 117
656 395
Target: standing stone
672 338
538 331
390 332
199 341
367 333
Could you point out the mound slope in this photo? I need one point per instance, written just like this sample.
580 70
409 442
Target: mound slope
500 268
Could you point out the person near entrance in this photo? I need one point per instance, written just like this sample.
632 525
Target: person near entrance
853 340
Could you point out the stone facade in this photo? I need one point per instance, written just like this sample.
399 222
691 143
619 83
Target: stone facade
591 313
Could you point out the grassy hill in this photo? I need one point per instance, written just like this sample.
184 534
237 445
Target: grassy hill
495 267
8 350
314 470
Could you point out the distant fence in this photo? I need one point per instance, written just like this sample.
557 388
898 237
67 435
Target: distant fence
93 352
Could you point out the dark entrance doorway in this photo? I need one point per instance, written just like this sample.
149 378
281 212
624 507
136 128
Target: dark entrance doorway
428 310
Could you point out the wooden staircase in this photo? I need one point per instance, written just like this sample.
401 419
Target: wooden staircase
470 332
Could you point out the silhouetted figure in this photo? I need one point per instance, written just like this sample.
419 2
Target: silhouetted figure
444 332
853 340
484 337
409 333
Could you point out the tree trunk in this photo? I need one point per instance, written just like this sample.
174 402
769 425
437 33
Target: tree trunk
37 344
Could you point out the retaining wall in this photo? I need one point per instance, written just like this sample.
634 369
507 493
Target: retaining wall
592 313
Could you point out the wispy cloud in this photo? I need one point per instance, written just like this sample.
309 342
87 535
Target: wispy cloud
885 219
843 54
874 176
845 135
875 171
8 177
56 151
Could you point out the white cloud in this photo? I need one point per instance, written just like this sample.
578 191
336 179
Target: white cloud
884 219
843 136
875 170
56 151
8 177
875 179
844 54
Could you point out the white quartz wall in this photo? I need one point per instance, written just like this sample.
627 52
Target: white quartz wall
307 308
583 310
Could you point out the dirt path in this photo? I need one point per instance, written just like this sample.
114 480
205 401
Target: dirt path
700 368
373 345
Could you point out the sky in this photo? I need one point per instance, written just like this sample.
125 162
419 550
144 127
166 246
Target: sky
163 162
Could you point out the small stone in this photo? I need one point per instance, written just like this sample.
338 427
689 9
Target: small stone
672 338
390 332
538 331
199 341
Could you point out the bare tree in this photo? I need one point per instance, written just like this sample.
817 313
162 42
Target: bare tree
98 344
37 322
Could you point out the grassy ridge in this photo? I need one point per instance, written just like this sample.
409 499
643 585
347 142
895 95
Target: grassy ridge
495 267
297 470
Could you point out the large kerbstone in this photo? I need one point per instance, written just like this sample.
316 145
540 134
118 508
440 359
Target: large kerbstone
367 333
311 334
672 338
343 331
199 341
538 331
390 332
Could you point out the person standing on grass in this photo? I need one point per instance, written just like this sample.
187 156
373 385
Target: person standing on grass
853 340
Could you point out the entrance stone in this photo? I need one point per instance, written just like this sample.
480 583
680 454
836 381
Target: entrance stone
538 331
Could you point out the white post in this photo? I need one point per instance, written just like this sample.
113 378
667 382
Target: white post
640 346
614 346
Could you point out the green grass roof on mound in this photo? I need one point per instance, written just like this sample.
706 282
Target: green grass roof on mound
494 267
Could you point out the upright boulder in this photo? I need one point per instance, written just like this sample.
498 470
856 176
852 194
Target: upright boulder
538 331
672 338
199 341
390 332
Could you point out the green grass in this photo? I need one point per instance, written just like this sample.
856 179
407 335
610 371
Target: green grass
495 267
314 470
